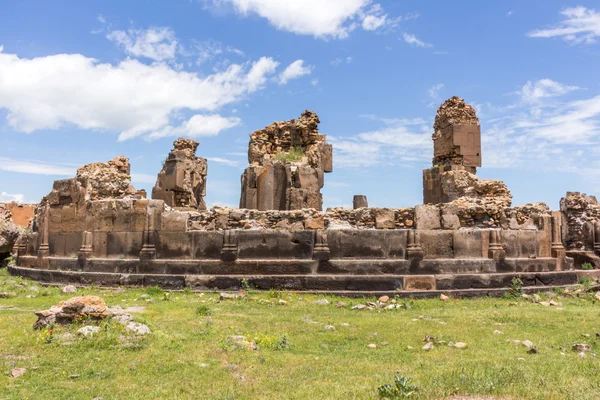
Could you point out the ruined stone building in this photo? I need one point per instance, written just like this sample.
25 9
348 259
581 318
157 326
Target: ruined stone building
467 237
287 162
182 180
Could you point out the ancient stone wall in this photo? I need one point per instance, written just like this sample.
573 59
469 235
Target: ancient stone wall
22 214
182 180
580 212
287 162
9 232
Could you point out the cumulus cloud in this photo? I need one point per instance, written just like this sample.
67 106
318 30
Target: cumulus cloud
198 125
130 97
580 25
321 19
293 71
543 88
414 41
157 44
10 198
397 141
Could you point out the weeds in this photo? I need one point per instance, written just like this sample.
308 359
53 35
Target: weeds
587 266
203 310
400 389
293 155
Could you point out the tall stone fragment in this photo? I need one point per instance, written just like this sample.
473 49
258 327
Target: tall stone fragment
457 153
182 180
287 162
579 213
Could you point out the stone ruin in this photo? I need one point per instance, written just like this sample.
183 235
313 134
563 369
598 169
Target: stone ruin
287 162
467 238
9 233
182 180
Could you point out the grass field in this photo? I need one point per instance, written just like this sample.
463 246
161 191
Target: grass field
191 355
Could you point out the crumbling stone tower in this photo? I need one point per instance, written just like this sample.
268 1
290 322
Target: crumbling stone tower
287 162
182 180
456 156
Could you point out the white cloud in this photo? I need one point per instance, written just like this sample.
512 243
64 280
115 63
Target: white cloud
10 198
414 41
131 97
508 14
220 160
35 167
534 91
315 82
581 25
198 125
337 61
434 91
373 22
321 19
397 141
157 44
294 70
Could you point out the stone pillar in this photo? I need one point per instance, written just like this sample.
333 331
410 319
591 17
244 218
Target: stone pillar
229 251
85 251
597 238
495 249
414 251
359 201
557 249
148 251
44 249
16 251
321 249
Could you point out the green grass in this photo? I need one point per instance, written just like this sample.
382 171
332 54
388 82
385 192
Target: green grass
293 155
191 354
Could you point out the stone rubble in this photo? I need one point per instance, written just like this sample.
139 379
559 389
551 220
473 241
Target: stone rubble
107 180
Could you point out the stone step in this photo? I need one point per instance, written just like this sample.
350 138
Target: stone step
371 267
313 282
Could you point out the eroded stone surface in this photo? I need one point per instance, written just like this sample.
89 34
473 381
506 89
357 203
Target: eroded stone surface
9 232
182 180
106 180
578 209
287 162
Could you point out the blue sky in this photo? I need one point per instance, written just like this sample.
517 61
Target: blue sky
86 81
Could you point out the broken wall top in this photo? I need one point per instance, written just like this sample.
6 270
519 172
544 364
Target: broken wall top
182 179
106 180
457 134
296 141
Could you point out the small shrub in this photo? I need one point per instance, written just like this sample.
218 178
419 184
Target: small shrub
587 266
400 389
154 291
203 310
293 155
516 285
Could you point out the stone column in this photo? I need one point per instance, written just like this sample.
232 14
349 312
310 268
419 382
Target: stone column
85 251
359 201
557 249
321 249
44 249
16 251
148 251
495 249
229 250
597 238
414 251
